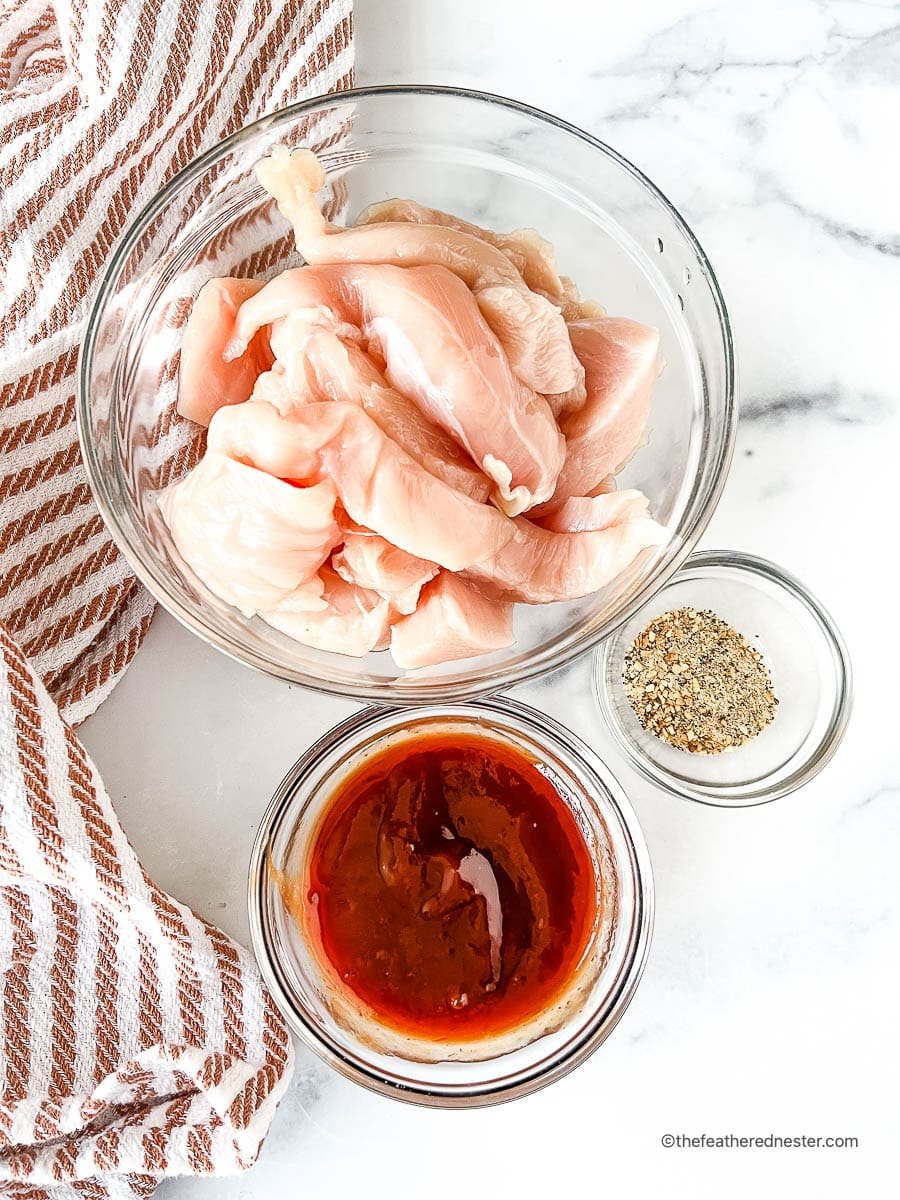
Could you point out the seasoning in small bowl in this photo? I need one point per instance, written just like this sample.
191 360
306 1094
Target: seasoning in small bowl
732 686
697 683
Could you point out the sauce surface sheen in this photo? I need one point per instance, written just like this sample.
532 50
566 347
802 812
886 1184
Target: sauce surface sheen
450 887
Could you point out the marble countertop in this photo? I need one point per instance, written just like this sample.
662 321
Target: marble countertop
770 999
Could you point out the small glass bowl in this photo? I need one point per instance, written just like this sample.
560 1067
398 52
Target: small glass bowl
810 670
332 1021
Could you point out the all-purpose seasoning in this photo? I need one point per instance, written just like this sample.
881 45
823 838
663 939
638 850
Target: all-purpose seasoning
697 683
451 887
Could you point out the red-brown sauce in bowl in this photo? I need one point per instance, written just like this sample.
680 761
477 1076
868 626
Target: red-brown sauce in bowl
450 887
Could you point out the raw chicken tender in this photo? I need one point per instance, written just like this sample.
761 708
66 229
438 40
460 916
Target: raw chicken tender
369 561
621 364
529 253
379 485
580 513
320 366
250 538
531 329
532 256
353 620
440 353
539 566
206 381
452 620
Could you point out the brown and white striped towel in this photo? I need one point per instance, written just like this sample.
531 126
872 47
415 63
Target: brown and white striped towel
101 101
136 1041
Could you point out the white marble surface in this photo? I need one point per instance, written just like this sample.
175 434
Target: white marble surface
770 1000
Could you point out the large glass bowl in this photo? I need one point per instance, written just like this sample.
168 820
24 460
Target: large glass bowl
485 158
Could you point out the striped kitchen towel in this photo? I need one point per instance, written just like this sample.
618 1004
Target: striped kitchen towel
136 1040
101 101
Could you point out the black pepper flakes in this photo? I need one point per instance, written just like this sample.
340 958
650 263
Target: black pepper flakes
697 683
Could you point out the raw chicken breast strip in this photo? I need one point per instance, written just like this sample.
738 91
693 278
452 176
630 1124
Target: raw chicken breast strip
318 365
369 561
529 326
353 621
620 360
206 380
539 566
580 513
378 484
452 621
529 253
439 352
252 539
532 256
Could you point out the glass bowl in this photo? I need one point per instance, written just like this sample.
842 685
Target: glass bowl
332 1021
487 159
806 657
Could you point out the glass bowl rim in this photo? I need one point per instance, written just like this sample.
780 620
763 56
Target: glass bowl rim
576 640
740 796
601 1022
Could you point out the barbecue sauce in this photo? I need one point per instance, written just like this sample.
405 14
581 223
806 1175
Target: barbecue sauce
450 887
